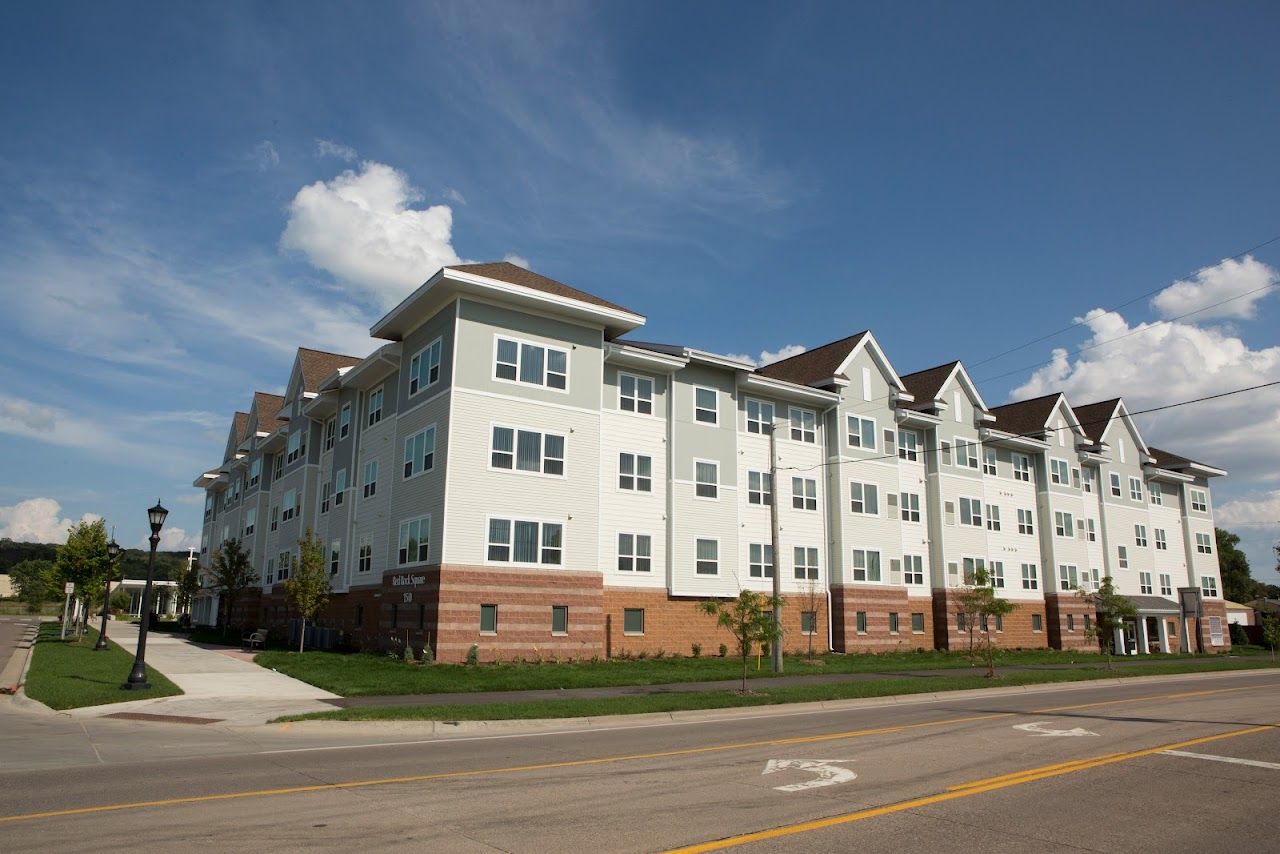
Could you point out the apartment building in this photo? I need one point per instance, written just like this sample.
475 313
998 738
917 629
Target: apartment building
514 469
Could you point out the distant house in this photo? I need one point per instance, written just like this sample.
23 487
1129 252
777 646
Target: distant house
1239 615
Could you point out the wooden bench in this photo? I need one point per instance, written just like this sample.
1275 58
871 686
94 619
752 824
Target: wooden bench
258 638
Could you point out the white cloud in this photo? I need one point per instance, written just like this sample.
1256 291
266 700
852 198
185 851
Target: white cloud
518 260
172 539
360 228
768 357
1247 279
266 155
453 195
1259 512
328 148
36 520
23 415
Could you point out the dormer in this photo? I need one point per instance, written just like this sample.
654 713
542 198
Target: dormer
948 392
1113 432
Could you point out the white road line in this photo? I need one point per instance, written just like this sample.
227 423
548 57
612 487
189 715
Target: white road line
1233 760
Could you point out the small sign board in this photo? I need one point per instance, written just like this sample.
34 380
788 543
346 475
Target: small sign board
69 588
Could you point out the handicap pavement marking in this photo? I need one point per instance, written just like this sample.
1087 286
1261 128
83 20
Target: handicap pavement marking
828 773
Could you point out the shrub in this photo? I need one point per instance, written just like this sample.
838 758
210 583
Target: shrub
724 650
696 650
473 655
642 655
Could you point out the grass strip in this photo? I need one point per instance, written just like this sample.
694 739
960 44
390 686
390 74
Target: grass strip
66 674
668 702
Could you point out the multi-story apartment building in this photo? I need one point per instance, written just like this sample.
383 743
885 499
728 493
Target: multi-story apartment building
511 470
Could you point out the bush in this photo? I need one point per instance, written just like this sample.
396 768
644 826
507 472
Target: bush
1239 637
473 655
696 650
724 650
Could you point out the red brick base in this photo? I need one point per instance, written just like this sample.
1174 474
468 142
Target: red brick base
876 604
1064 615
1214 608
1018 632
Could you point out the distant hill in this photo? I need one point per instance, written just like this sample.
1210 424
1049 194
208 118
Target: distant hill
134 561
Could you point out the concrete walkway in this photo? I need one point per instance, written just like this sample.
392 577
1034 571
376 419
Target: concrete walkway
219 683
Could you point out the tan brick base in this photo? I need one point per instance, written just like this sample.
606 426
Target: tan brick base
1064 618
1214 608
1018 633
877 603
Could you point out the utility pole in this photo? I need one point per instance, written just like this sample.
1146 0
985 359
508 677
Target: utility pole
776 647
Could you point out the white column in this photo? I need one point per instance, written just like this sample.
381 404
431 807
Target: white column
1140 632
1164 634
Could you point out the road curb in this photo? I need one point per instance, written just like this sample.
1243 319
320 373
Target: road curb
14 675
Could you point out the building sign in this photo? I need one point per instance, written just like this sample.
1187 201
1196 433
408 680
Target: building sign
408 580
1215 631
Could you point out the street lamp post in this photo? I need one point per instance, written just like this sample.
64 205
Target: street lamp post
113 553
138 676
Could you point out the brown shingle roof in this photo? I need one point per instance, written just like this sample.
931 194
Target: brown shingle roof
317 364
1170 460
1026 417
926 385
820 363
240 423
505 271
1094 417
267 406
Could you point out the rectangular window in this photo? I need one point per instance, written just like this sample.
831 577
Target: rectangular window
1166 584
966 453
1204 544
996 573
1059 471
284 565
1122 553
1115 485
1199 501
705 410
1063 524
993 517
375 407
971 512
633 621
910 506
277 466
335 556
708 557
1162 543
295 447
339 487
1144 584
864 498
1091 530
707 478
290 505
808 622
330 431
759 416
1157 494
862 622
344 422
250 521
1037 623
803 425
525 450
531 364
760 560
370 478
364 556
908 445
415 535
861 433
489 619
1140 536
989 462
917 623
518 541
1135 488
893 622
1068 578
866 565
559 619
635 472
1030 577
971 567
255 472
1021 467
805 561
424 368
635 552
1209 586
635 394
804 493
1026 522
1087 480
913 569
759 488
275 517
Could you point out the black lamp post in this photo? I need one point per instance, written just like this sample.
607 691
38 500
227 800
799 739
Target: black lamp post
113 554
138 676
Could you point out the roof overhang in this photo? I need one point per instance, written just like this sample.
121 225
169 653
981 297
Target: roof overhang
915 418
447 285
275 441
786 391
620 353
322 406
206 480
373 368
1157 473
1011 440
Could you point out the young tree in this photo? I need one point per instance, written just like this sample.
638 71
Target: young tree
749 618
1271 632
83 561
36 582
811 600
1237 584
188 586
307 586
232 575
979 602
1112 610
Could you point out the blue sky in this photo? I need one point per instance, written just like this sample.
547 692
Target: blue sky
961 178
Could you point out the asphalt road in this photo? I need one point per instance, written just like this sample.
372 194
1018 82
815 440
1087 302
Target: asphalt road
921 775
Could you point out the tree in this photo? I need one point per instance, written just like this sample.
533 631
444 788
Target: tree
1271 632
83 561
812 599
188 586
307 586
36 583
1237 584
231 576
1112 610
978 601
749 618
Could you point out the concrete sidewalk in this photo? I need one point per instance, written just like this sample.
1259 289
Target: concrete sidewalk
219 683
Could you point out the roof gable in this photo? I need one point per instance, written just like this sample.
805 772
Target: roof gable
815 365
929 385
505 271
236 434
1027 417
263 412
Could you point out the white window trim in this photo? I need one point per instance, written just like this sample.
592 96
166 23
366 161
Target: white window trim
653 394
719 485
542 452
803 411
864 484
435 443
636 490
526 517
617 554
875 434
719 558
368 404
439 339
520 342
746 418
716 423
403 522
853 579
982 514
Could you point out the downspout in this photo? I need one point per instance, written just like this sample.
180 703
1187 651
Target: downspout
826 519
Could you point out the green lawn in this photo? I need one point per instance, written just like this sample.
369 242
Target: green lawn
889 686
356 674
67 675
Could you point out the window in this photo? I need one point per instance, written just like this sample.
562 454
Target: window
339 487
1199 501
864 498
635 472
255 472
1162 543
1021 467
1209 586
989 462
344 422
808 622
1037 623
1144 584
1087 480
971 512
277 466
335 556
370 478
518 541
759 416
1059 471
1075 478
559 619
707 478
760 560
1140 536
375 407
1204 544
633 621
284 565
971 567
993 517
803 425
913 569
708 557
1030 577
358 620
804 493
1115 485
759 487
1123 555
424 368
705 410
275 517
531 364
296 447
527 450
862 433
917 623
489 619
806 563
1091 530
635 552
330 430
250 521
635 394
960 622
893 622
862 622
1135 488
290 505
364 556
966 453
866 565
1157 494
1063 524
1166 584
910 506
909 445
415 535
1026 522
1068 578
996 575
1088 622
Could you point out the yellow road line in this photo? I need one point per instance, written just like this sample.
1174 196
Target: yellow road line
976 788
1176 696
